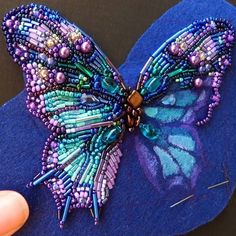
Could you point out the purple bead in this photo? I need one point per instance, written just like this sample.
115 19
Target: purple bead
86 47
9 23
63 129
208 28
215 98
55 49
230 38
60 78
198 82
201 69
64 52
195 60
225 62
208 67
174 49
18 52
32 105
50 61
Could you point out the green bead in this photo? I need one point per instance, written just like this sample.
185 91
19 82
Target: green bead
84 70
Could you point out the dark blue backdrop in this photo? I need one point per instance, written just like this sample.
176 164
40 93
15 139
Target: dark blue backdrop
134 206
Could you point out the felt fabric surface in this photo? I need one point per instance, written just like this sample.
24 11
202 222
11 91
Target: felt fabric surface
135 206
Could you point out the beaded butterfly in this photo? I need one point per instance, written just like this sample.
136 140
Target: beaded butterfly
80 96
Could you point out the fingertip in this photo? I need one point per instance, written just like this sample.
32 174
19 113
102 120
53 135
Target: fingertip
14 211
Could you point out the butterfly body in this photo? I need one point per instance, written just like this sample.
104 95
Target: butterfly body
133 110
79 95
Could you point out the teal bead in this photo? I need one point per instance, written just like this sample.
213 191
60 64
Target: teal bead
149 131
110 85
152 85
111 135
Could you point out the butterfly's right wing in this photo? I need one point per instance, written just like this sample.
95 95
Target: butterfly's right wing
75 90
180 84
169 147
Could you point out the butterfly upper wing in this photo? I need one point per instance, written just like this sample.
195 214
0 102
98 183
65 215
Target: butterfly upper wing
56 55
184 75
75 90
198 54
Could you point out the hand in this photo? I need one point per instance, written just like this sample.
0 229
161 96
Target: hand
14 211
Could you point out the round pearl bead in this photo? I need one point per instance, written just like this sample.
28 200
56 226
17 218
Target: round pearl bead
225 62
86 47
32 105
9 23
174 49
194 60
64 52
198 83
60 78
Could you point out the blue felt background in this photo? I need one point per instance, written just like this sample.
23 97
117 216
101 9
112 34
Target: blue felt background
134 206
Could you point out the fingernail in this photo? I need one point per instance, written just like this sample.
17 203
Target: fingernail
14 211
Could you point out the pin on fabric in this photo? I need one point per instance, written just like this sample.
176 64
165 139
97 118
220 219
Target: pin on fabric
192 195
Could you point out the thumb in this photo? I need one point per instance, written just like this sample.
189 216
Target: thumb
14 212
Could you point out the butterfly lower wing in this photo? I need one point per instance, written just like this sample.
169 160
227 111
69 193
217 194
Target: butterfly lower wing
80 168
173 158
180 86
76 91
172 152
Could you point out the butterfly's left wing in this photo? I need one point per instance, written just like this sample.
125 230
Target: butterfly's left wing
180 86
77 93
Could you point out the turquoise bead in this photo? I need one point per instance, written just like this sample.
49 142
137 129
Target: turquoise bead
149 131
152 85
111 135
110 85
